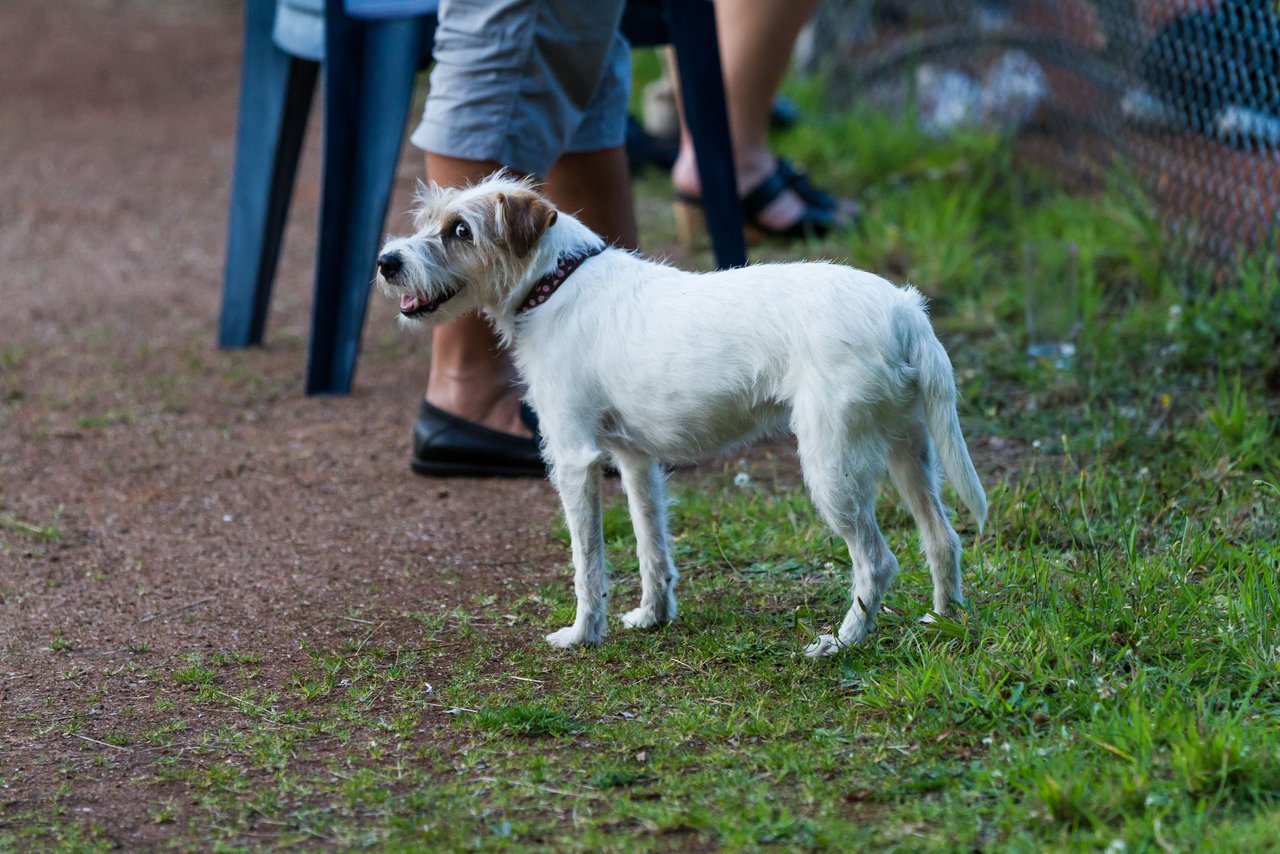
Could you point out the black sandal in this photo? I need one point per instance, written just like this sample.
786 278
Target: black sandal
816 221
823 213
847 211
798 182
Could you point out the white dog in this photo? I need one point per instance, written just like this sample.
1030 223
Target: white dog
633 361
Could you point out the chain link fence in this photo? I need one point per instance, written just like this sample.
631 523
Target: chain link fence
1182 94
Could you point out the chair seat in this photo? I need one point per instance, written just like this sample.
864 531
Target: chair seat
299 28
299 24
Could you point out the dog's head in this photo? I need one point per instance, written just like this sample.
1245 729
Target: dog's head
471 248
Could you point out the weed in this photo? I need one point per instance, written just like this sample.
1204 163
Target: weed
528 721
46 533
1247 433
194 674
11 356
1214 759
95 422
1064 800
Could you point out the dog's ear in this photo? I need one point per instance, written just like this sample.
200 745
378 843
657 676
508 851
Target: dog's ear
525 218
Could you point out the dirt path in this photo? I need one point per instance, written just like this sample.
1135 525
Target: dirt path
158 497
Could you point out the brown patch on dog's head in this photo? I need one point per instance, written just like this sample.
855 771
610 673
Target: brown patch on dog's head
525 218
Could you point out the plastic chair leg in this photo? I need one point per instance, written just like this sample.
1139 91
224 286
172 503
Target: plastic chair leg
692 30
369 77
275 98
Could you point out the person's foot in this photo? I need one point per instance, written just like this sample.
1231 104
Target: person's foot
475 426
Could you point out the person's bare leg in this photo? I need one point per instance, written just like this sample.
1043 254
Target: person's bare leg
595 186
470 375
756 40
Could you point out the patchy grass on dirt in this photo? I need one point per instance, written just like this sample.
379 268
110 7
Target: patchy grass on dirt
1113 684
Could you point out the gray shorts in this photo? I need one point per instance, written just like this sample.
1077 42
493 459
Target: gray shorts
522 82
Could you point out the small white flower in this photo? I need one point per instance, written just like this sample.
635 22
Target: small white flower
742 480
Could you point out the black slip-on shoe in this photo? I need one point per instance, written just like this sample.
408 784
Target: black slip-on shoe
445 445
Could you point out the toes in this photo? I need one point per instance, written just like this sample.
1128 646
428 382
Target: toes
824 645
640 618
575 635
565 638
560 639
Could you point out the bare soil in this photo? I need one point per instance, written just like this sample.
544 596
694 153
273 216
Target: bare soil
158 497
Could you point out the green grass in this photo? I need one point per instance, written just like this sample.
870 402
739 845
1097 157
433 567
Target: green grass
527 720
44 533
1113 684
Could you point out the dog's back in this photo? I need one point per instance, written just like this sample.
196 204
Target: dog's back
681 364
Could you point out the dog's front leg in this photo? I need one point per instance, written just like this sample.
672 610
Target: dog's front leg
646 498
577 478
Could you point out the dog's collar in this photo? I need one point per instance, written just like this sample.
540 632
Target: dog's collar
551 282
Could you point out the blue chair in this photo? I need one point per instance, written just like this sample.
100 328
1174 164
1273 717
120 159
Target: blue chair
369 68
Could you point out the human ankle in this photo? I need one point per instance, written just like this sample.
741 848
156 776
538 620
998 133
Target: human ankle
752 168
494 405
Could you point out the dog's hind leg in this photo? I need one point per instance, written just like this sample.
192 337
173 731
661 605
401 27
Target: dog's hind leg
873 570
842 479
577 478
645 486
915 474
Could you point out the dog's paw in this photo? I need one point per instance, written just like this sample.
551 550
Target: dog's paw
824 645
641 618
928 618
571 636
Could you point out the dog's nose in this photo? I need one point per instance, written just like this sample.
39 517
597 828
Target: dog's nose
389 264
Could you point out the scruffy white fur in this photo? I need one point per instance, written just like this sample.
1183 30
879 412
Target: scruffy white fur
636 362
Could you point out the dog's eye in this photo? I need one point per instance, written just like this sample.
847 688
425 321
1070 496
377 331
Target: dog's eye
462 231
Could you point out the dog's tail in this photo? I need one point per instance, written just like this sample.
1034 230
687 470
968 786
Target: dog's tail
937 385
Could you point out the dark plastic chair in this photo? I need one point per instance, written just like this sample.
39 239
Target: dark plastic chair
370 66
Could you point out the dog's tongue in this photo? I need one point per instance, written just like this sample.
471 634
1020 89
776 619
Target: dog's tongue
408 302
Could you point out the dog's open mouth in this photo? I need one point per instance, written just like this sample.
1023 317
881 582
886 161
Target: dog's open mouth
412 305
